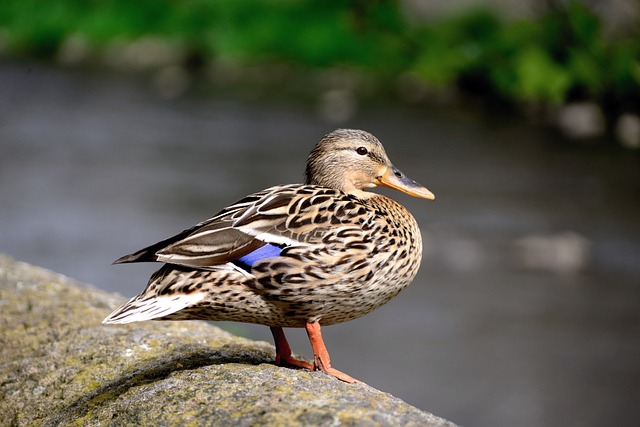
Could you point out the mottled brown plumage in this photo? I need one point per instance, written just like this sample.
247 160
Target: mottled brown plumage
298 255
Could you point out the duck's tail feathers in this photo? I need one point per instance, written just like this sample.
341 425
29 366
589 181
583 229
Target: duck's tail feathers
143 307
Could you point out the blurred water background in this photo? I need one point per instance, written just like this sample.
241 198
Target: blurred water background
526 310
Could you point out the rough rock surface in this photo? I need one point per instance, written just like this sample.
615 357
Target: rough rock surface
60 366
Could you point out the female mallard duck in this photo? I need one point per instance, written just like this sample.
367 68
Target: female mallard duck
297 255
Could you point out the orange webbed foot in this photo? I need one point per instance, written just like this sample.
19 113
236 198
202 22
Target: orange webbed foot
283 351
321 359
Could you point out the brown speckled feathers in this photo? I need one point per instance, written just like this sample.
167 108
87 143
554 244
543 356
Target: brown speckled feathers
297 255
334 265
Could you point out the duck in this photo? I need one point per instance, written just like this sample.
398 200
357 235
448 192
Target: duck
294 255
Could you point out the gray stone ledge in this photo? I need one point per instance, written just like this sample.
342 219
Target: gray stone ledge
60 366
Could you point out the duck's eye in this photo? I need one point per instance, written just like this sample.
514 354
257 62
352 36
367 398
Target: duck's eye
362 151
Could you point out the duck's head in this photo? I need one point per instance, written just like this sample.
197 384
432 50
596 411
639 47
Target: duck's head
352 160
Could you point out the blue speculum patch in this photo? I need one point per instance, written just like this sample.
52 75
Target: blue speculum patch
266 251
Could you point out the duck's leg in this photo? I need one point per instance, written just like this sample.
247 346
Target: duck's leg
283 351
321 360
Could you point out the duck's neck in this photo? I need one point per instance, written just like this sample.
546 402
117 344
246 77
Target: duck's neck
337 182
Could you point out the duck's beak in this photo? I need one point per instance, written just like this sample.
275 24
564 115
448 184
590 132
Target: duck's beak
397 180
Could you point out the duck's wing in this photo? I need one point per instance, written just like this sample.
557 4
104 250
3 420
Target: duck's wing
289 215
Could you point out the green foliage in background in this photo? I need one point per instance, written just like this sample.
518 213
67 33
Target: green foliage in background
555 57
559 56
